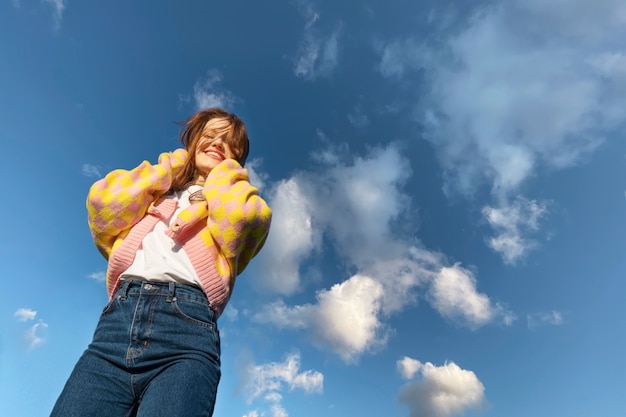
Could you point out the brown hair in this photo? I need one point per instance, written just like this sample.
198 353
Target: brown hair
234 134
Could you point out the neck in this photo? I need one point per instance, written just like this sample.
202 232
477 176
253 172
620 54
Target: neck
200 179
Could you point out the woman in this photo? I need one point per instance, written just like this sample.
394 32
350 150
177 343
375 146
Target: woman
176 235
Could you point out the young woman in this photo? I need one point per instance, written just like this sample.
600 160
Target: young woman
176 235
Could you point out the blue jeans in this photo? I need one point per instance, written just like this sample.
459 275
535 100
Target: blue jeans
155 353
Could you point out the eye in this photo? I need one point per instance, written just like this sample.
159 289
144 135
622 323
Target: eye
206 139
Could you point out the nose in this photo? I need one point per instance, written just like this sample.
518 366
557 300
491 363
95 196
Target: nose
218 143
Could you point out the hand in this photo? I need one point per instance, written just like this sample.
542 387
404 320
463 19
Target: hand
174 161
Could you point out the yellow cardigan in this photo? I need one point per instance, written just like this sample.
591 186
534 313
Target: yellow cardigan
220 235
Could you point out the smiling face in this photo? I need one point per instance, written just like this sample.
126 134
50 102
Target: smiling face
212 147
210 136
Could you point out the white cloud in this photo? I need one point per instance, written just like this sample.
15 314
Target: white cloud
25 314
442 391
408 367
403 275
208 93
257 177
348 319
358 202
344 320
33 337
92 171
546 318
454 295
278 411
355 205
58 7
579 20
512 222
308 12
291 222
99 276
361 209
317 53
231 313
399 56
517 86
504 99
269 380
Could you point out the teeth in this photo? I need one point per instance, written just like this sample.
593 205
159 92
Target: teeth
215 154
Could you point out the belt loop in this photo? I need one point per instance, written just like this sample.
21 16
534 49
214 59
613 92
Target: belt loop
123 291
171 295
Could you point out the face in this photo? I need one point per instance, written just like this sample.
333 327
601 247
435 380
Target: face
212 147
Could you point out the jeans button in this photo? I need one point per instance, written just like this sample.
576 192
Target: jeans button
148 287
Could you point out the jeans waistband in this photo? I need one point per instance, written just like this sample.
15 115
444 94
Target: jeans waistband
167 289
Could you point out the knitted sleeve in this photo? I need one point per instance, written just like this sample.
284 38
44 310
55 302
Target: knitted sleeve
118 201
239 219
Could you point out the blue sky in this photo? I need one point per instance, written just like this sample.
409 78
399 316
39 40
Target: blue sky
448 183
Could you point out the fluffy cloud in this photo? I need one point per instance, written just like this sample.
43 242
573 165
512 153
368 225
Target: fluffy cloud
360 201
91 171
275 376
453 293
517 86
318 52
257 177
32 336
345 319
291 222
442 391
231 313
269 380
505 98
25 314
99 276
546 318
399 56
208 93
360 207
349 318
355 204
403 275
408 367
512 223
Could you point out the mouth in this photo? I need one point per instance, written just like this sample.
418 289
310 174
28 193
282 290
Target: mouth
215 154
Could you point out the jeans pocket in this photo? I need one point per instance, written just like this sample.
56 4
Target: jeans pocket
194 312
110 307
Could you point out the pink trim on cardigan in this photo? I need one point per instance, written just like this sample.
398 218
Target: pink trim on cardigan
202 258
123 257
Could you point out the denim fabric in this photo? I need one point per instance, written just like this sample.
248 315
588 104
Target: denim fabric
155 353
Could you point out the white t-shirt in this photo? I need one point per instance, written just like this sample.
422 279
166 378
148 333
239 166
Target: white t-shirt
159 258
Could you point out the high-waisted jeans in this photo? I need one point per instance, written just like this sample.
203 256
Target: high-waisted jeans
155 353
